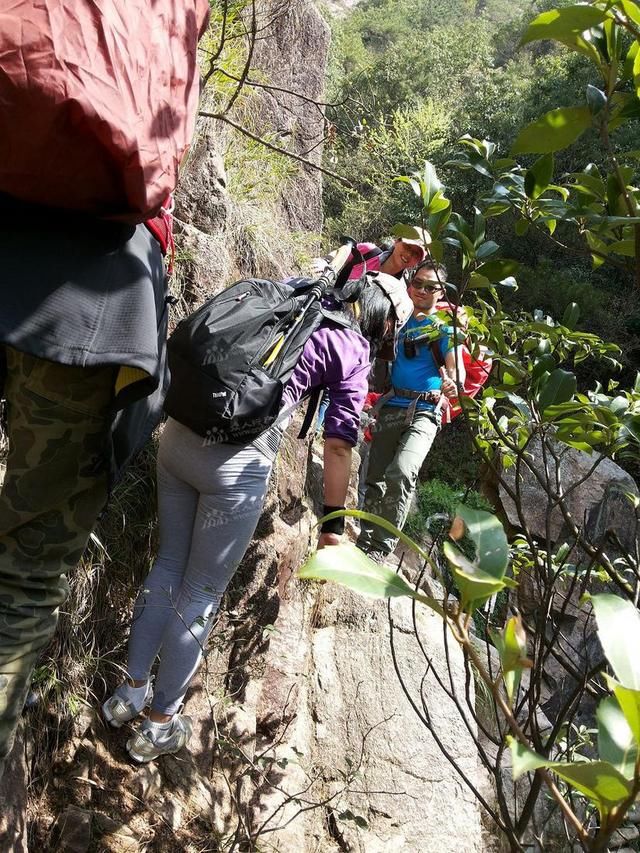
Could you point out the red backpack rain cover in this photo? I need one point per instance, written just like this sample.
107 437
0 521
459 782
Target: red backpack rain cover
98 101
477 369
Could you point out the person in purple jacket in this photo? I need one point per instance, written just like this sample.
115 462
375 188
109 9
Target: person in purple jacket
210 498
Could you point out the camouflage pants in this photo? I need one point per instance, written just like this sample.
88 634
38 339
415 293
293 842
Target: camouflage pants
55 485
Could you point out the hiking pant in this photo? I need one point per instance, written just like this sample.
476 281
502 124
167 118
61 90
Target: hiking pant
55 485
396 455
210 498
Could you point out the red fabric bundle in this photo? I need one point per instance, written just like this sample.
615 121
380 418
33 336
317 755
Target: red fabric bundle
478 371
98 101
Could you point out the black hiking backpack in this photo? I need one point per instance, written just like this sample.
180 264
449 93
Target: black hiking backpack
231 359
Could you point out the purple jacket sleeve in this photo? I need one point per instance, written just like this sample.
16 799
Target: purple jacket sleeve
337 359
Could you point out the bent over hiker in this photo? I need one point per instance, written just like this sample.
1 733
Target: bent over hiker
210 497
409 415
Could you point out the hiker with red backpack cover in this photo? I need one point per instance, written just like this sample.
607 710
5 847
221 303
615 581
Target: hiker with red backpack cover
477 368
239 366
98 104
409 414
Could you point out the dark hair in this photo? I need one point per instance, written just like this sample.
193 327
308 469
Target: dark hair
428 264
375 309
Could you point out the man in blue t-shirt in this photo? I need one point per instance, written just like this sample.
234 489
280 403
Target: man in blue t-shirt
410 416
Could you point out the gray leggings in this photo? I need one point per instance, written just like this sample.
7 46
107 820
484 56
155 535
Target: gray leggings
209 502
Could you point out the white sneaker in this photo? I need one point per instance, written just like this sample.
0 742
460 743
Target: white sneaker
126 703
154 739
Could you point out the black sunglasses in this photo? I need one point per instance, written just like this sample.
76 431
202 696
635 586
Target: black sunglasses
431 288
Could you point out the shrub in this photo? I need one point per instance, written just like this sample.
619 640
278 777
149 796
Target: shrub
436 502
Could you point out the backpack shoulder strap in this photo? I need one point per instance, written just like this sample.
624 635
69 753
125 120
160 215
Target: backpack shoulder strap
436 352
372 253
310 414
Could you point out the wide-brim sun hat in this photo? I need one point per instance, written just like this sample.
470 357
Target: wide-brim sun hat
421 240
396 291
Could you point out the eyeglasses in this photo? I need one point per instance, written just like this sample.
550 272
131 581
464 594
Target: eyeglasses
430 288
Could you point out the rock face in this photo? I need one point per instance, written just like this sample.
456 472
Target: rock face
594 486
233 217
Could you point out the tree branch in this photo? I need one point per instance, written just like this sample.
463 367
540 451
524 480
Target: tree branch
276 148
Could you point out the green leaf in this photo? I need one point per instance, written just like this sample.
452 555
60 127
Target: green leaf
553 131
618 624
561 24
512 647
630 9
479 224
600 781
474 585
521 227
477 281
615 189
496 208
539 176
485 250
437 204
627 69
489 538
589 184
596 99
624 247
571 315
523 759
480 147
629 701
615 738
629 109
381 522
436 248
599 248
562 191
347 565
437 221
546 363
431 184
497 270
412 182
407 232
613 41
631 424
559 388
